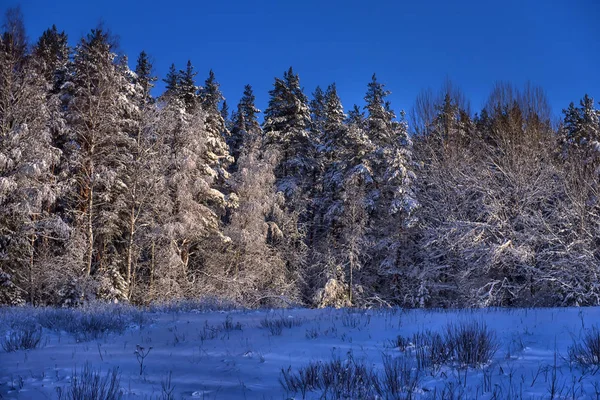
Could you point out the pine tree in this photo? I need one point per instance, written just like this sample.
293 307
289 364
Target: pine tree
172 82
244 124
287 122
186 87
335 155
103 122
144 78
356 117
380 118
52 56
250 111
189 227
225 115
317 112
582 124
210 98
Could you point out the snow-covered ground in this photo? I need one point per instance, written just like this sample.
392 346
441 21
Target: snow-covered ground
234 354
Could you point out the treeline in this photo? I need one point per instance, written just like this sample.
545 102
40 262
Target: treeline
107 192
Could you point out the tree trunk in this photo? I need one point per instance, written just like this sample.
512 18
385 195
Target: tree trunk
31 264
90 232
130 250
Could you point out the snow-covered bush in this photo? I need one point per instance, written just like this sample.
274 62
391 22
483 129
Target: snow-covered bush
24 337
336 379
587 351
471 343
334 294
91 322
88 384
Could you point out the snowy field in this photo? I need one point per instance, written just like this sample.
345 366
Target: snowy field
188 352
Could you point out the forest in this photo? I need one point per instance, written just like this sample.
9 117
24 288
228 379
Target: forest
109 192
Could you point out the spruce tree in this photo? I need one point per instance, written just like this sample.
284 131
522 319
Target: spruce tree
102 119
171 82
244 124
317 111
250 111
582 124
186 87
380 118
210 97
225 115
287 122
144 77
356 117
52 56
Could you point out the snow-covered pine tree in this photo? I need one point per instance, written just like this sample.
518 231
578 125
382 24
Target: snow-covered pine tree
143 191
335 154
28 186
144 77
210 97
244 125
317 112
380 118
187 90
343 239
171 83
102 119
287 126
581 131
384 167
52 56
188 228
226 118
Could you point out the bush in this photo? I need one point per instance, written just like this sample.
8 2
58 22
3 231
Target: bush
276 325
92 322
431 350
23 338
471 343
467 343
88 384
336 379
400 377
205 304
587 352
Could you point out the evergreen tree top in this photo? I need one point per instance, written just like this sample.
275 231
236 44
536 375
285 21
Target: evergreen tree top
172 80
210 94
143 70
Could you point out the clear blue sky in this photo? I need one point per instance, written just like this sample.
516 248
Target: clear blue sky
409 44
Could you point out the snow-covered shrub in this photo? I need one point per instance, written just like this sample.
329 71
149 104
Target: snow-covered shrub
400 377
471 343
24 337
337 379
91 322
9 293
430 348
276 325
88 384
587 351
334 294
466 343
203 304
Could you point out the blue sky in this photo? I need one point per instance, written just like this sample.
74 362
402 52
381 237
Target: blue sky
410 45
